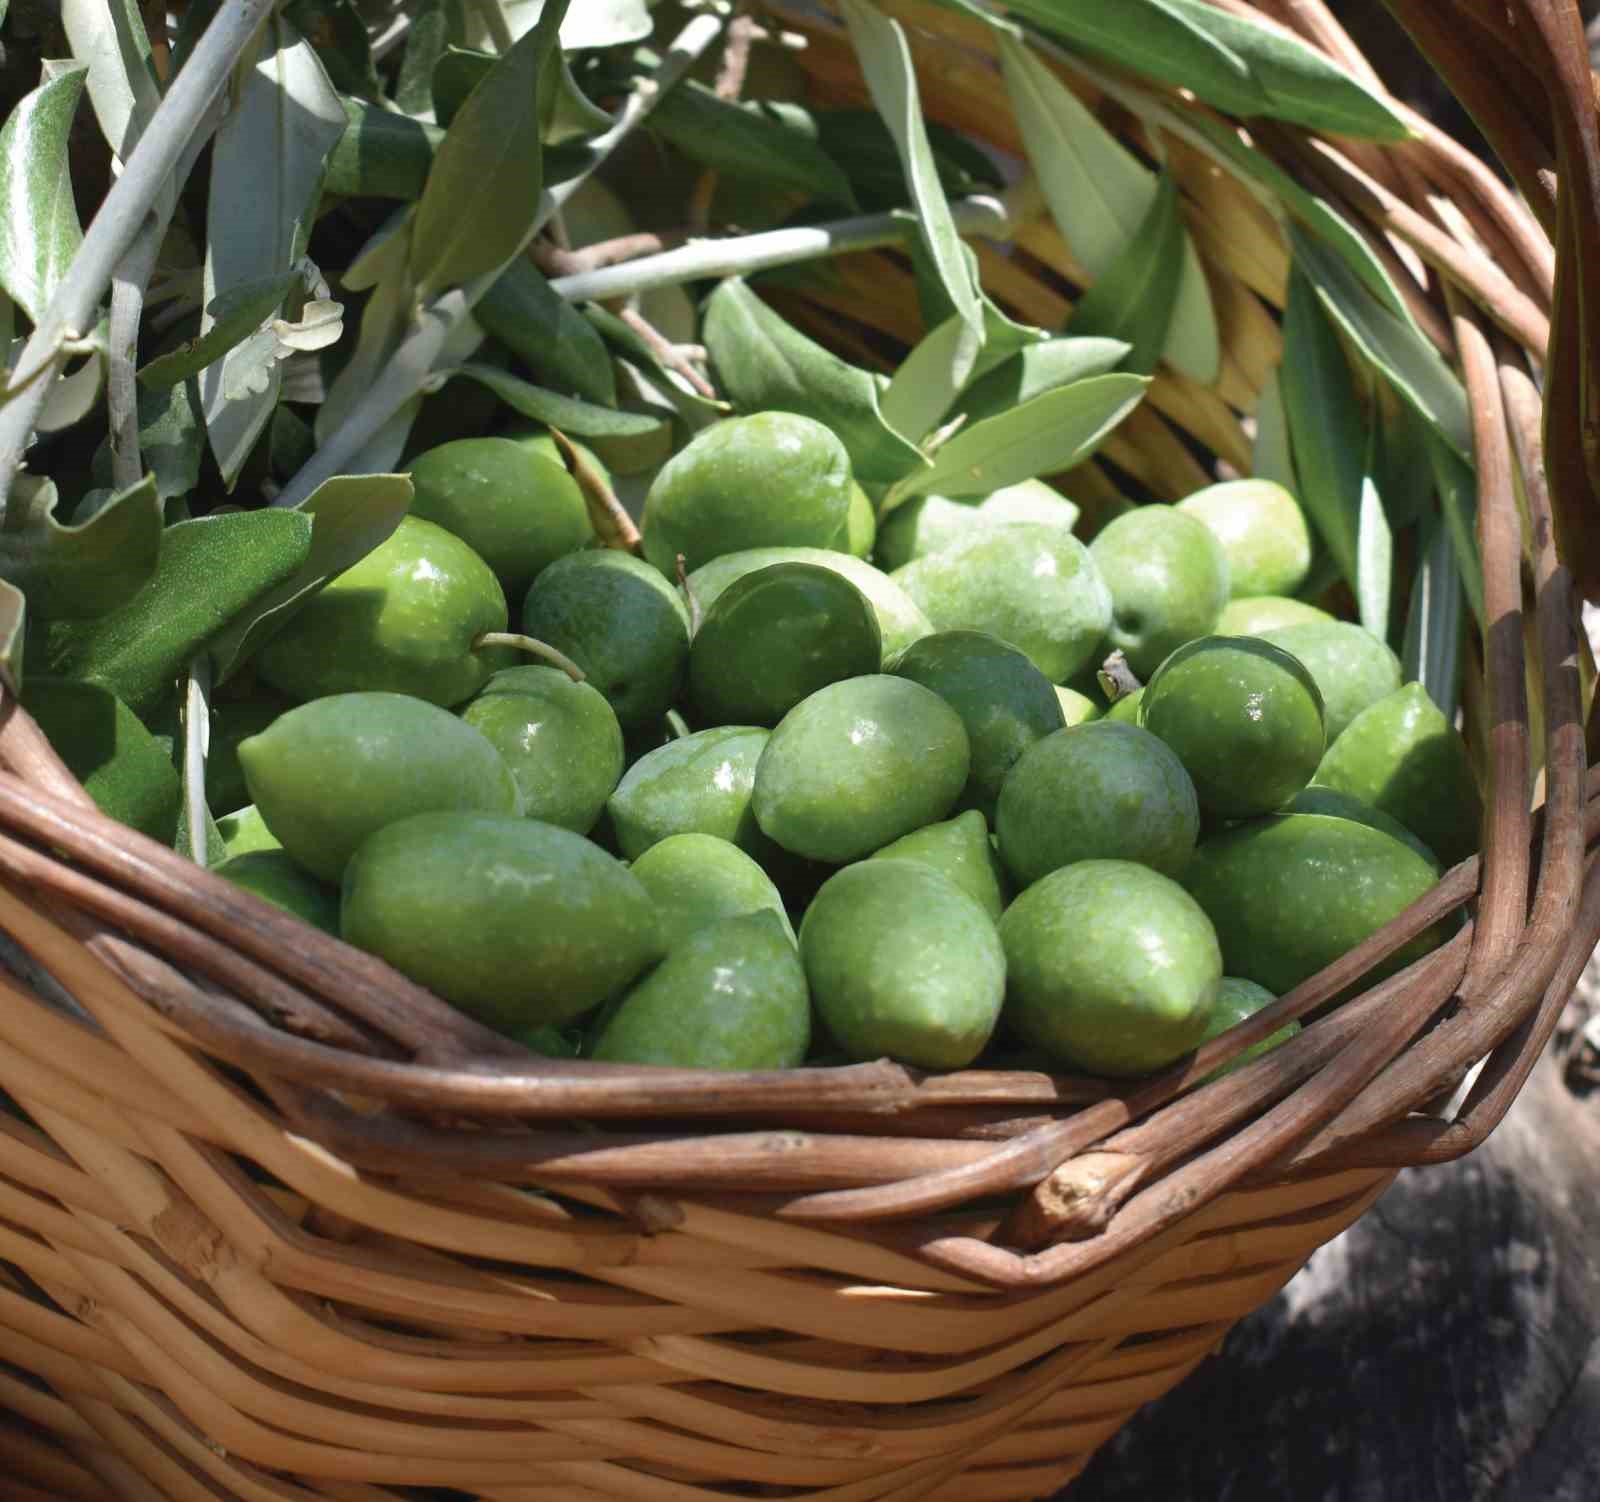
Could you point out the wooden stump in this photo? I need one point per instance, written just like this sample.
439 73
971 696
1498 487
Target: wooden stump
1444 1349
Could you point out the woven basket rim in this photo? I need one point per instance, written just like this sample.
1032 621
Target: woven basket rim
831 1145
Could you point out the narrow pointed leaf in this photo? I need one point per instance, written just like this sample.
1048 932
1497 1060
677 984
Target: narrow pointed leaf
210 569
382 154
762 363
110 37
350 515
579 418
551 337
39 230
83 570
885 59
1043 436
482 197
1099 193
1134 301
1040 368
1395 348
235 315
267 166
1003 336
425 45
1271 457
1327 432
1432 653
773 143
1239 65
927 382
1458 505
1374 549
1157 39
1302 84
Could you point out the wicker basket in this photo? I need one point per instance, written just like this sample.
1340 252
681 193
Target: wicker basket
274 1223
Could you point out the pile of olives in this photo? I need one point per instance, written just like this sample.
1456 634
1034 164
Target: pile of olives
755 799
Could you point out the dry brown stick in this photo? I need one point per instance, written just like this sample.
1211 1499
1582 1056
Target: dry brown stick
1503 115
607 515
1503 905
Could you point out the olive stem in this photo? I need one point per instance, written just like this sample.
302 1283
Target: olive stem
677 725
533 648
741 255
1116 678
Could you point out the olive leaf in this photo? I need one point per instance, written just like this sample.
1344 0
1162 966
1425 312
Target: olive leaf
109 36
773 142
565 111
209 571
1003 336
267 163
1324 222
861 144
1393 346
1099 194
1327 431
13 630
1135 300
1040 368
763 364
382 154
481 200
927 381
1405 471
84 570
425 45
885 59
350 515
172 437
234 315
39 230
1042 436
1458 505
1432 652
1241 66
551 337
1270 456
580 418
1374 580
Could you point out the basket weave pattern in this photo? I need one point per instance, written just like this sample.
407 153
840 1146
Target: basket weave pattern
277 1224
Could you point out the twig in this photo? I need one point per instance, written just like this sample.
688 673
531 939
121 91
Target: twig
673 356
122 398
150 169
742 31
556 260
741 255
412 364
